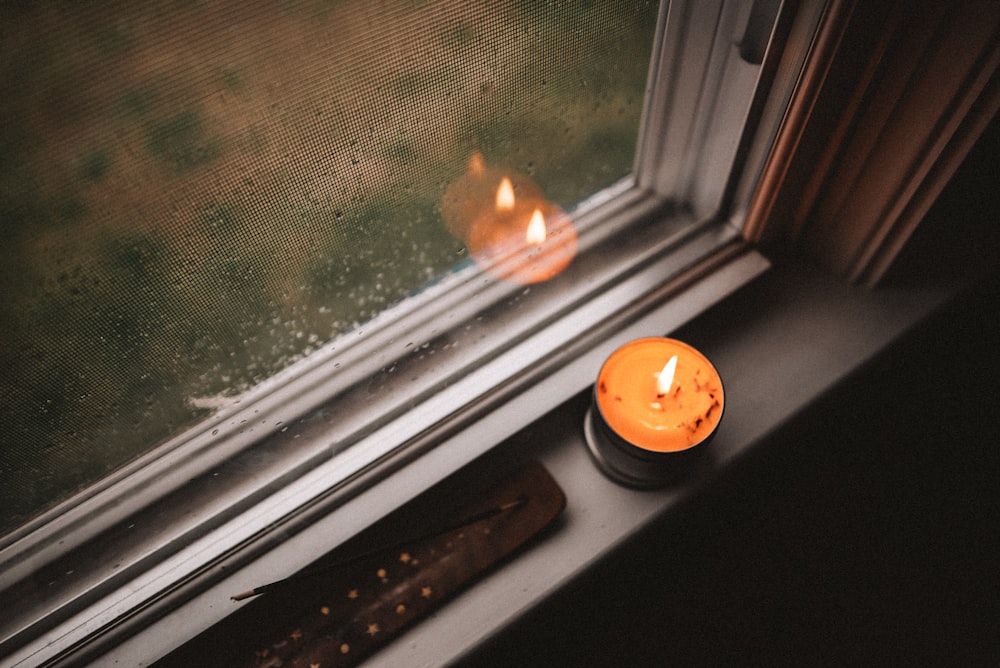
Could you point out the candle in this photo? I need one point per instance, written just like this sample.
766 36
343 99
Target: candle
660 395
655 400
524 240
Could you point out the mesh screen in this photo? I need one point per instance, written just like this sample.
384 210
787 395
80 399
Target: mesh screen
193 195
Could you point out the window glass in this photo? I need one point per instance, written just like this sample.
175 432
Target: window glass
193 195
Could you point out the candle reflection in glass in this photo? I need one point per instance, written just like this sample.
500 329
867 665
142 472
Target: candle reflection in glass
509 227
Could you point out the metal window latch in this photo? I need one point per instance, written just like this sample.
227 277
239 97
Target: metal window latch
753 44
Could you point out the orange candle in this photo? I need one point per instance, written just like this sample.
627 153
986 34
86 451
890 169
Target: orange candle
522 240
655 401
660 395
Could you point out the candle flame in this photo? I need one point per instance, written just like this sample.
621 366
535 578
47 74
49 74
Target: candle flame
505 195
536 229
666 377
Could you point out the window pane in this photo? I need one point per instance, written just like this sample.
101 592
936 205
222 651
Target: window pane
193 195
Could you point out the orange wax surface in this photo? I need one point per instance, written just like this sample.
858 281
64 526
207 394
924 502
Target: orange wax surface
629 402
499 241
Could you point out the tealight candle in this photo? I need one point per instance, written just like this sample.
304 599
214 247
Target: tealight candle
655 400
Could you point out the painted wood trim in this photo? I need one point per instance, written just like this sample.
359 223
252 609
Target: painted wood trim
891 100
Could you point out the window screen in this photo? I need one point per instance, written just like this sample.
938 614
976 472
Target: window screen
193 195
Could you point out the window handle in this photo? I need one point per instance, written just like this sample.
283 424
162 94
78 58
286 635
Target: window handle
753 44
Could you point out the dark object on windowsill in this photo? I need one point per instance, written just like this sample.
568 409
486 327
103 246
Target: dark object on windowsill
344 608
377 552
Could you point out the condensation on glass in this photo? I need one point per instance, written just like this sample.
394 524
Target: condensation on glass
193 195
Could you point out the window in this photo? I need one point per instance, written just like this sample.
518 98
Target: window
309 371
198 195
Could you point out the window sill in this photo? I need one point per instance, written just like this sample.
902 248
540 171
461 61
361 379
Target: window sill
779 344
179 554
